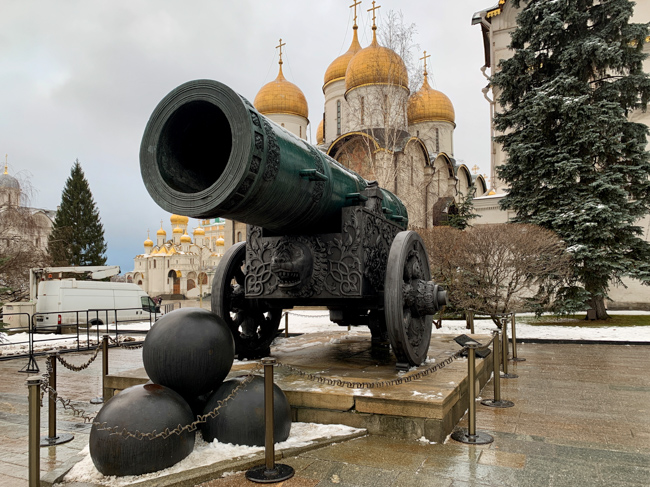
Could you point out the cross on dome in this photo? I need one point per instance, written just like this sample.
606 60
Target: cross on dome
357 2
374 17
279 46
424 58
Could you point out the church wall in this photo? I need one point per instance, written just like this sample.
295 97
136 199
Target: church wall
443 141
334 92
412 183
377 106
295 124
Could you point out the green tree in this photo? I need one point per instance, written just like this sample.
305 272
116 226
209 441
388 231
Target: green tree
459 214
77 236
576 164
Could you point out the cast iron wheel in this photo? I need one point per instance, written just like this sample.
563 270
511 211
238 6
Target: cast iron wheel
408 331
253 328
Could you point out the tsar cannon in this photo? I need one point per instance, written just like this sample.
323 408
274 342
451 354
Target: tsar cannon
317 232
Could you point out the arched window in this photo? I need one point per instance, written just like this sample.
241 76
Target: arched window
436 138
363 110
239 237
338 117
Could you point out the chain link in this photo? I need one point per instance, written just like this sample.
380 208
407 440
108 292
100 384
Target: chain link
54 395
79 368
373 385
123 345
201 418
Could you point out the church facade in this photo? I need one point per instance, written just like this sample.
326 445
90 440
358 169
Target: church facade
496 24
374 125
181 265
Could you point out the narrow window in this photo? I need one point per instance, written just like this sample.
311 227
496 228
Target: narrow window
338 117
154 264
385 110
300 130
437 139
363 110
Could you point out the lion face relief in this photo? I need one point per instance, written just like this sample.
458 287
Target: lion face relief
298 264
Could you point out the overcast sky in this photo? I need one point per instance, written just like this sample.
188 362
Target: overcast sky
79 79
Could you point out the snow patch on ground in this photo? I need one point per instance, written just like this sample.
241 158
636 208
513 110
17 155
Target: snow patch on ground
302 434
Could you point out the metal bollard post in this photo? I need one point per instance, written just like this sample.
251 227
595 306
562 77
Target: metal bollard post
100 399
471 436
270 472
496 402
514 342
504 350
52 439
34 383
286 324
470 321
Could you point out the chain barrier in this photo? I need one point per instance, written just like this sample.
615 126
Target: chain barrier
79 368
54 395
201 418
303 315
122 344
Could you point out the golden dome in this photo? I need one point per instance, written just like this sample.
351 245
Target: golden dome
220 241
339 66
186 238
281 96
177 230
429 105
148 243
179 220
199 231
320 137
376 65
161 232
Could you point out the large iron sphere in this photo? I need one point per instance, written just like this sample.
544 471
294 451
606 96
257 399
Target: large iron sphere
190 350
241 419
145 408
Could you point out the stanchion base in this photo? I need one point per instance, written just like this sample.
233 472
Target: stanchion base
56 440
100 400
497 404
479 438
509 376
262 475
31 367
517 359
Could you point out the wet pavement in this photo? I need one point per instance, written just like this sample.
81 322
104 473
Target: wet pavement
581 417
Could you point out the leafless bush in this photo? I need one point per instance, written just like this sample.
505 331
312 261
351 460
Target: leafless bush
498 268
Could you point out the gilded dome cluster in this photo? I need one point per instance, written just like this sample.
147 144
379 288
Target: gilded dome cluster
429 105
281 96
376 65
337 69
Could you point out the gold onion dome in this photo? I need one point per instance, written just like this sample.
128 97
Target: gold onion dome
281 96
339 66
429 105
199 231
376 65
148 242
220 241
186 238
177 230
161 231
179 220
320 136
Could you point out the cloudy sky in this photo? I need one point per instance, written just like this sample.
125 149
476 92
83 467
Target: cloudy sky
79 79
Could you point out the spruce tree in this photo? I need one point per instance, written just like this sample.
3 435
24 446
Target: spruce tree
576 163
77 236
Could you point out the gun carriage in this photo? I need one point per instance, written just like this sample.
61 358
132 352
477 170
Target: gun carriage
317 232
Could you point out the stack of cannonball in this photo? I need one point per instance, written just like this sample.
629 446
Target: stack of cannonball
187 355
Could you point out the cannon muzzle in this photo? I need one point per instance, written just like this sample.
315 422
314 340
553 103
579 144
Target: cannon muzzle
206 152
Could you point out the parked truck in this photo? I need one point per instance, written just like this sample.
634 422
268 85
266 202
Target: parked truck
57 301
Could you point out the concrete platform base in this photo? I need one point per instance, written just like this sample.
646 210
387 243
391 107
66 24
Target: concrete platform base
428 407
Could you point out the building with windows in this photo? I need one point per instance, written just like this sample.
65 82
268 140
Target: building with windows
182 265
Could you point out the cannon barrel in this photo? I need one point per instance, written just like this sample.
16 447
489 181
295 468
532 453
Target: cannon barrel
206 152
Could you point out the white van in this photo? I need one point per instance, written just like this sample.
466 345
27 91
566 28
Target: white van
95 302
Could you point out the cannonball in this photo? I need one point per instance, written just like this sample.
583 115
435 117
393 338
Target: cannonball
190 350
241 419
145 408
